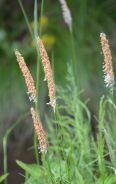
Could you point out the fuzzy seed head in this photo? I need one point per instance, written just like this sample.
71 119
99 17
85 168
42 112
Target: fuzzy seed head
27 75
48 73
66 14
107 66
39 130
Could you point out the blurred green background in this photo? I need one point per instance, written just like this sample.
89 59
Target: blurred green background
90 18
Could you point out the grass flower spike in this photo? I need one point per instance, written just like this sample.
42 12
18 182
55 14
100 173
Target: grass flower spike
39 130
66 14
107 67
27 75
48 73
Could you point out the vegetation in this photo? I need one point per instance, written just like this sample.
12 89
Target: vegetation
76 149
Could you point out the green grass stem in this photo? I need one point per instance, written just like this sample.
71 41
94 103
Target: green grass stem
5 141
26 18
101 139
37 79
74 62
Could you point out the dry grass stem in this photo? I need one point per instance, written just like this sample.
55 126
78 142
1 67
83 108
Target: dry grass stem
39 130
48 73
107 67
66 14
27 75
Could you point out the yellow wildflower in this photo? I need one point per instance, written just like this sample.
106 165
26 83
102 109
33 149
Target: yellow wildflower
44 22
32 43
32 24
48 41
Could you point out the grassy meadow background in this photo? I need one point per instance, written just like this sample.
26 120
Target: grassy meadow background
85 88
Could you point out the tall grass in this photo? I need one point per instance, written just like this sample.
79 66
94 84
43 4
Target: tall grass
73 156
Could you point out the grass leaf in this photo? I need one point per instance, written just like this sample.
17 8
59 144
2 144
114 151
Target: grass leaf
32 169
3 177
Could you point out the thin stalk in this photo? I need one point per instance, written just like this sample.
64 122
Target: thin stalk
113 117
75 66
5 142
35 20
111 114
114 124
41 15
46 157
71 162
26 176
37 80
38 59
5 157
101 139
38 56
57 129
36 147
101 159
24 13
38 67
61 130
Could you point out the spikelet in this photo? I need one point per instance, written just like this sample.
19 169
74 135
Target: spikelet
48 73
107 67
27 75
66 14
39 130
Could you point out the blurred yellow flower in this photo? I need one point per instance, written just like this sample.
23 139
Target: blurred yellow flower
32 24
32 43
44 22
48 41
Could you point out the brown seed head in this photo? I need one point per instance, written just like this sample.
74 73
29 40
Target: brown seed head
48 73
27 75
39 130
107 67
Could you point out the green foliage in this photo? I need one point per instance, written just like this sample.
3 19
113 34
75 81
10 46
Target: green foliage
5 138
73 156
2 178
107 180
72 153
32 169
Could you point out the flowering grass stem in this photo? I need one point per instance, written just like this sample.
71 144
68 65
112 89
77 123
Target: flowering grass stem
39 130
107 66
48 73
